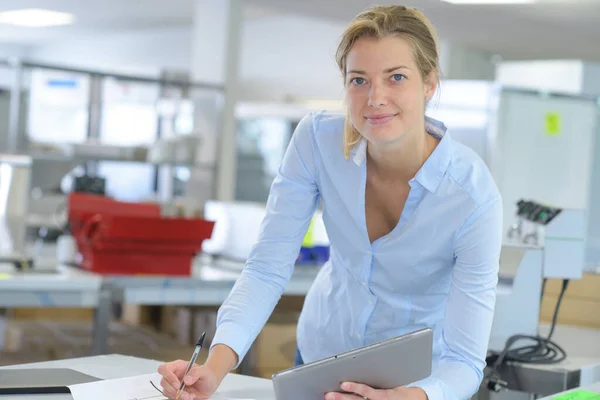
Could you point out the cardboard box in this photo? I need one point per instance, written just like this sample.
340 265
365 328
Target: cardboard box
140 315
587 288
56 314
580 303
573 311
275 345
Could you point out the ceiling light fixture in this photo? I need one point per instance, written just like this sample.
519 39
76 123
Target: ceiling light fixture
486 2
36 18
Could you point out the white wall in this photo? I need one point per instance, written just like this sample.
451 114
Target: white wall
8 50
143 52
282 57
290 57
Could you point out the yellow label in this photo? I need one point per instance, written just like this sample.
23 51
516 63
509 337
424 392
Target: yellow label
4 276
553 124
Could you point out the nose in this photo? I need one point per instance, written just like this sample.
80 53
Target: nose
377 95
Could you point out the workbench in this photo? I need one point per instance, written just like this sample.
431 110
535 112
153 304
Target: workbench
210 284
118 366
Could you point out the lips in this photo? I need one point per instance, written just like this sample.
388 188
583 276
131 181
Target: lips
380 119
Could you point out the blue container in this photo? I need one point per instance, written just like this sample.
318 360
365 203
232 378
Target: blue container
313 255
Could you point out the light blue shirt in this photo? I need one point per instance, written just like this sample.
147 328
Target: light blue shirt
438 268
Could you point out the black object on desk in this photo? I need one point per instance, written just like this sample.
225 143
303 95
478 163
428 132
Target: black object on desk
40 380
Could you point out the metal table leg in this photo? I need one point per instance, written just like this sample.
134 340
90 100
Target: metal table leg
102 321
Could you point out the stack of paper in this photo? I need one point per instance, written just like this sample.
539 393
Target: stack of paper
132 388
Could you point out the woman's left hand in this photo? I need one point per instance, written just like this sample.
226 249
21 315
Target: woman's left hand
358 391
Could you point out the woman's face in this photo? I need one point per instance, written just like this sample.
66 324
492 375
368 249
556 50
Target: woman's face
385 93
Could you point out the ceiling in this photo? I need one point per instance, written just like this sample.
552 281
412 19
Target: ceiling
548 29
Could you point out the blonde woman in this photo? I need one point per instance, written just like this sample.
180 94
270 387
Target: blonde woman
413 218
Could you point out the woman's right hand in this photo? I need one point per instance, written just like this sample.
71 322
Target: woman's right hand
200 383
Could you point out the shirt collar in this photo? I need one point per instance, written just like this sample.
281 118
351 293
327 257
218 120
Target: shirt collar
431 173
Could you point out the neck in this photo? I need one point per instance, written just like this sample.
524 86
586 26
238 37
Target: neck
403 159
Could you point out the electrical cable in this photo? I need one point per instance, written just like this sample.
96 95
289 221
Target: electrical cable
542 351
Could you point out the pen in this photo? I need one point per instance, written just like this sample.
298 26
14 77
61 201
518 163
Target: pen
192 361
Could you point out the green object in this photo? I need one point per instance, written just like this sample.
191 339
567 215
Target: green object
578 395
553 124
308 238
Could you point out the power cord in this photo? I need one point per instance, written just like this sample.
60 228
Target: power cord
542 351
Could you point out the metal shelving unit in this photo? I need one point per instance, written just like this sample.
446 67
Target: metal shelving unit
17 136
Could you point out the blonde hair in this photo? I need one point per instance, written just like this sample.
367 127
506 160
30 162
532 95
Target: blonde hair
382 21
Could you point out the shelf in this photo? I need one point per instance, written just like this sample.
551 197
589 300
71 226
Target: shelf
80 159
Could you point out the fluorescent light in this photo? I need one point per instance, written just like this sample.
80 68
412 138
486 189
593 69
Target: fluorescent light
490 1
36 18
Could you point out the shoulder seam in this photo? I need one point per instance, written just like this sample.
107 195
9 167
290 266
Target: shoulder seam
463 188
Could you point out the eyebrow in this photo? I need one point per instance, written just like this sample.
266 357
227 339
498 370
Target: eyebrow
388 70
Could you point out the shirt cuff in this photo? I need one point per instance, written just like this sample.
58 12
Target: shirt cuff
431 387
232 335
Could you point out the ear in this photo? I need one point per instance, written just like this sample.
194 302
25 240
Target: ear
430 84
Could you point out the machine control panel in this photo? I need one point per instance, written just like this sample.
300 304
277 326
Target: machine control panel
536 212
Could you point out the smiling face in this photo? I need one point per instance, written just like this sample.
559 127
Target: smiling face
385 91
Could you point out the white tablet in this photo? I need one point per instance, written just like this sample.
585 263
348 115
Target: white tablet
394 362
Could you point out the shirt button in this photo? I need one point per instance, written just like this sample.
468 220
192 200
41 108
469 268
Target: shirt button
364 284
358 335
371 302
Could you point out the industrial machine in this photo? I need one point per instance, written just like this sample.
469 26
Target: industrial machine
543 243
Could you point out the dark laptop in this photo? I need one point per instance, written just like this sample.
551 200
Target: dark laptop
40 380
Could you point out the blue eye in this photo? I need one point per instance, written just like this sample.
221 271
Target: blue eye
398 77
357 81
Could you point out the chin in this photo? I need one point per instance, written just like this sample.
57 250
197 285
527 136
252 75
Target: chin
383 134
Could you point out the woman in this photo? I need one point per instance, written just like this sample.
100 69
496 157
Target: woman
413 218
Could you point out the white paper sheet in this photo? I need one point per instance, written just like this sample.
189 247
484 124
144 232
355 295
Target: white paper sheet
132 388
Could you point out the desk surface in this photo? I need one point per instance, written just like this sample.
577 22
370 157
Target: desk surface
210 284
119 366
65 286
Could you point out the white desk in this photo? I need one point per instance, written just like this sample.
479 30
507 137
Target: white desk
210 284
66 287
119 366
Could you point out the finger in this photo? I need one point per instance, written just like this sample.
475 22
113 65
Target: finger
178 367
187 396
169 372
168 390
195 374
362 390
341 396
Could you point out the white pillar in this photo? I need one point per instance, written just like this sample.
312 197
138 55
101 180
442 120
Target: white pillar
216 45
